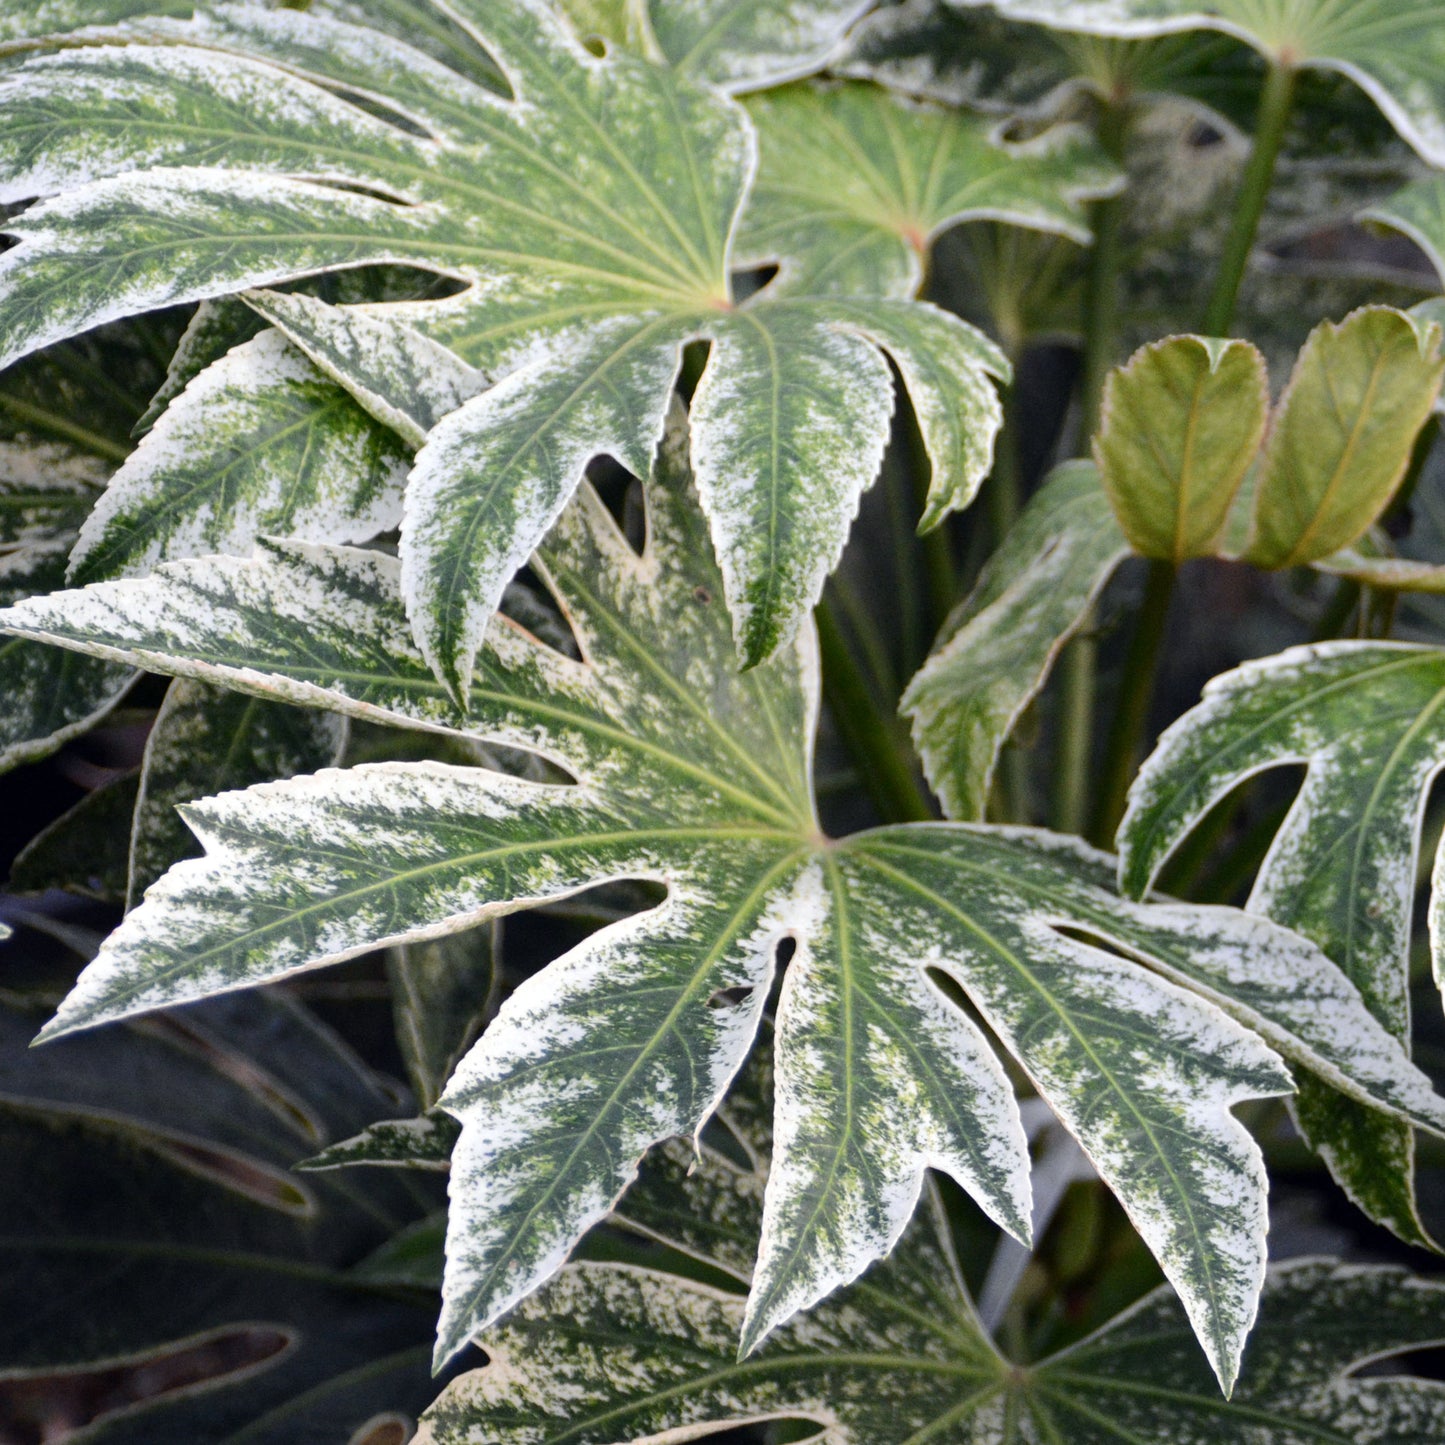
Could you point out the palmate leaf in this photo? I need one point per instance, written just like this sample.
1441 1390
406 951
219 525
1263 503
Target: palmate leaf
976 57
737 45
150 1211
855 183
588 217
1341 870
697 777
1393 49
615 1354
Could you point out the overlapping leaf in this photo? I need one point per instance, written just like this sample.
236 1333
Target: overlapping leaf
615 1354
696 777
1183 426
45 490
206 739
150 1213
1364 717
1392 49
588 218
995 653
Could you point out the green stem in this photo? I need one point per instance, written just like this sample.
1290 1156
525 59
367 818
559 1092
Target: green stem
1275 103
1076 729
1338 611
1101 339
1005 484
1131 713
1101 294
940 573
876 743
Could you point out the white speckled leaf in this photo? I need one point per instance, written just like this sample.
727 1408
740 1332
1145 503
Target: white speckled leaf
695 776
748 44
206 739
588 216
1364 718
404 379
855 183
614 1354
995 652
46 489
260 442
1392 49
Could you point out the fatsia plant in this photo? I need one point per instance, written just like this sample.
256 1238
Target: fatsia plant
1140 1025
586 216
620 1354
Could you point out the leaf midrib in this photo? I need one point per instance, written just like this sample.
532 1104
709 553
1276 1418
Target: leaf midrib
1066 1016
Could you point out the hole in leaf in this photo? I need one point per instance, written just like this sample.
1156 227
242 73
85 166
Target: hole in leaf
595 45
747 284
1201 135
1219 860
701 595
531 606
621 494
41 1408
734 997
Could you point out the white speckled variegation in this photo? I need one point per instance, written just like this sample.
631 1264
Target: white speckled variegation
695 776
586 205
46 489
996 650
613 1354
261 442
1365 718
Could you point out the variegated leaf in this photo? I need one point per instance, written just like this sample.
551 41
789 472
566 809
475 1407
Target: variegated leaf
698 778
588 217
616 1354
1393 49
995 652
262 441
205 738
854 184
422 1143
740 44
973 56
1341 871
